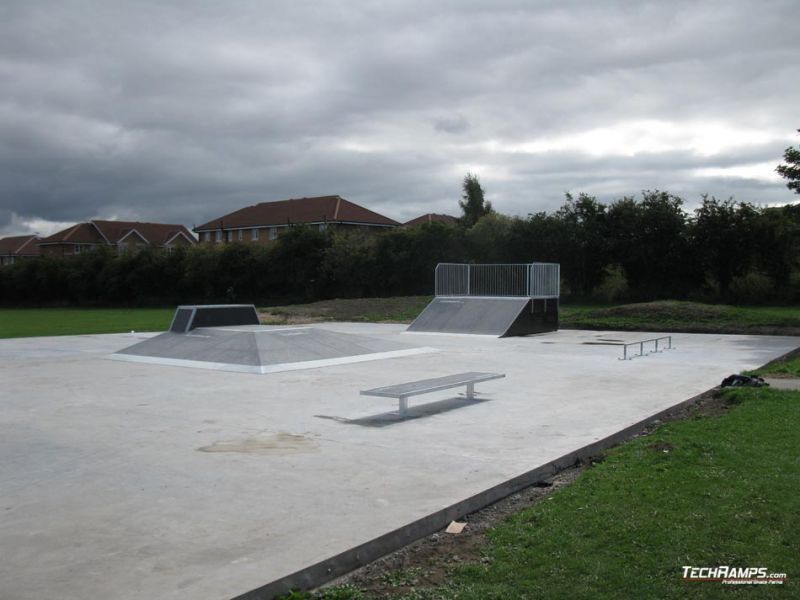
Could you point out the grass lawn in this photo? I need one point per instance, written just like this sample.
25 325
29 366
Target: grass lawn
73 321
703 492
790 367
648 316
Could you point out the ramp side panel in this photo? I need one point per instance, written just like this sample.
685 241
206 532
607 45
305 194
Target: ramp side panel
224 315
539 316
481 316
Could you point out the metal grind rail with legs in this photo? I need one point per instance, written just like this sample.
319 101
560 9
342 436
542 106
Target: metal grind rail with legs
520 280
641 347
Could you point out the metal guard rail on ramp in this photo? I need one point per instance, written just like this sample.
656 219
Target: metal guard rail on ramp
522 280
492 299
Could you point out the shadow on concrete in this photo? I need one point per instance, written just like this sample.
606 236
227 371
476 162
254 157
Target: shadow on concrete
414 412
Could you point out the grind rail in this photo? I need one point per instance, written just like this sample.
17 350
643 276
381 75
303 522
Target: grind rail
641 345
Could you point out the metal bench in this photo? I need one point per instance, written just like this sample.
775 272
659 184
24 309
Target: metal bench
403 391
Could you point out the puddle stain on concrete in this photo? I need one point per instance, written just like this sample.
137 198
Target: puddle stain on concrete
280 443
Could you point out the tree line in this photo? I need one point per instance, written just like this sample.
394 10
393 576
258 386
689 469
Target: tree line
633 249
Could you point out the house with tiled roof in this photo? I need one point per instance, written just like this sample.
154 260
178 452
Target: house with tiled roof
122 235
17 247
430 218
262 223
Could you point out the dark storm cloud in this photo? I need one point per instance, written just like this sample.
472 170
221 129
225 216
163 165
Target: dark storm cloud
182 111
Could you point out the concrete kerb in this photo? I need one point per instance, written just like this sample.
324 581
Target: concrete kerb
345 562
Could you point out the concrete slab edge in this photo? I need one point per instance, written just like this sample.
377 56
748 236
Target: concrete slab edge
349 560
180 362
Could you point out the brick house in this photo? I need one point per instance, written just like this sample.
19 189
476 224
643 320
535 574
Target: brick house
262 223
18 247
123 235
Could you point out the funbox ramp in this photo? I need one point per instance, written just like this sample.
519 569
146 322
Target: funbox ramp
487 316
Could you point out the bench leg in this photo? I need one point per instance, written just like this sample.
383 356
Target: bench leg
403 406
470 391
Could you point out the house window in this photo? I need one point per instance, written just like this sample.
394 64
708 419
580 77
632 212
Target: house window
240 235
205 236
229 236
273 233
219 236
323 226
254 234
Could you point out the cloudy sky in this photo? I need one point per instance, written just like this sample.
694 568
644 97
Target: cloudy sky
183 111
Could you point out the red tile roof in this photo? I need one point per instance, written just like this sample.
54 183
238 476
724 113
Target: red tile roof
431 218
80 233
19 245
154 233
322 209
111 232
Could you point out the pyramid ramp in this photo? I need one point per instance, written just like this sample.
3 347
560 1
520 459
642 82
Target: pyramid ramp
487 316
261 350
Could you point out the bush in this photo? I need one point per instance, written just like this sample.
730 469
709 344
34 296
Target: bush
613 287
751 288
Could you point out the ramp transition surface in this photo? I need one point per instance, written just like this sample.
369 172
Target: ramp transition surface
487 316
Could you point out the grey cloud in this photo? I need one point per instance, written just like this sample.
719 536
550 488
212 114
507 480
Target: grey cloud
181 111
451 124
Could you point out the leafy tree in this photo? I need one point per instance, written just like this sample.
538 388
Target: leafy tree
488 239
724 238
584 226
648 239
791 170
473 203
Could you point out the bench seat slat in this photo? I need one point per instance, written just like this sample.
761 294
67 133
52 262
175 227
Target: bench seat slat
424 386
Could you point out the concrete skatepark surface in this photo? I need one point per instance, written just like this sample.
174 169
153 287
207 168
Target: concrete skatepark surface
136 481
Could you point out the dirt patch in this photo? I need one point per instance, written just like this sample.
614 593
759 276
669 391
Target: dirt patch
280 443
664 309
429 562
268 318
661 447
401 309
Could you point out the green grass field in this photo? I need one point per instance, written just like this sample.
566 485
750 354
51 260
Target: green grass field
74 321
649 316
704 492
784 368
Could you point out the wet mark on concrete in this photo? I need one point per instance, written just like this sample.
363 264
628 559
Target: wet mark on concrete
279 443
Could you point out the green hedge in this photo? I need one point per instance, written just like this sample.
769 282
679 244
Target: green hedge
631 250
